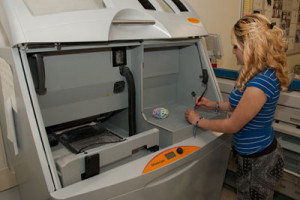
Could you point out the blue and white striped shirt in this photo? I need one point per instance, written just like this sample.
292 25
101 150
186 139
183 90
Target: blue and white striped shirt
258 133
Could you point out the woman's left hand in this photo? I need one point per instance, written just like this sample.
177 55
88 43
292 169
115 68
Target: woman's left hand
192 116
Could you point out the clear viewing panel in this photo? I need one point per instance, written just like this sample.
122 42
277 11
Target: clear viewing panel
45 7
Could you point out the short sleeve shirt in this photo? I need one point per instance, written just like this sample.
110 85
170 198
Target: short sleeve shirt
258 134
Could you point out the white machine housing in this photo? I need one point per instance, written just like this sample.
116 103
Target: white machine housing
29 21
108 62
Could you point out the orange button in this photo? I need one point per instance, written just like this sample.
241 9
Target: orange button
193 20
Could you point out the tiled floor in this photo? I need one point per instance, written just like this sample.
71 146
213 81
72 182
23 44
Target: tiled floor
11 194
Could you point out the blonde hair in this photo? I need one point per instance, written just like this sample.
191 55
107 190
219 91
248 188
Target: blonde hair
263 45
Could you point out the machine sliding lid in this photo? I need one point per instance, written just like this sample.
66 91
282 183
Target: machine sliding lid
47 21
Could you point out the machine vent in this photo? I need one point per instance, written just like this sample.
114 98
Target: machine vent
147 5
180 6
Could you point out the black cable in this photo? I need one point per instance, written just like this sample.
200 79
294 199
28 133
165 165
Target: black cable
204 78
201 95
125 71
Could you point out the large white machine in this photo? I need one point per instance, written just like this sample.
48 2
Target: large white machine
80 81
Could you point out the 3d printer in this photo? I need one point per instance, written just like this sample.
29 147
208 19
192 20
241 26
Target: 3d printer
86 78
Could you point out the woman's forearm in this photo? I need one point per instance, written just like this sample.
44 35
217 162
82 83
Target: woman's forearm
224 106
217 125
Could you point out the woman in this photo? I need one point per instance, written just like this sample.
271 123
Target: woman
259 47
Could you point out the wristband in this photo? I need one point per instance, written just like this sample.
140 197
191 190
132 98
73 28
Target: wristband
195 126
217 107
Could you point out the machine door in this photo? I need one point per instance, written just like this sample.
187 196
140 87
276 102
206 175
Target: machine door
24 147
195 180
193 176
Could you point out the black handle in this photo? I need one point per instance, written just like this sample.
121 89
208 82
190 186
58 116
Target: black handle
40 88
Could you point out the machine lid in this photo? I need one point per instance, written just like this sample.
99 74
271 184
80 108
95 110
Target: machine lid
32 21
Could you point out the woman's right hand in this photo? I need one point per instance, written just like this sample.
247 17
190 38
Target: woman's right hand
205 103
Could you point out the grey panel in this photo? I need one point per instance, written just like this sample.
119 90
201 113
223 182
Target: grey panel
196 176
27 165
80 84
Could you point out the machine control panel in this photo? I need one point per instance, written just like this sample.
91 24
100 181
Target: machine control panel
168 156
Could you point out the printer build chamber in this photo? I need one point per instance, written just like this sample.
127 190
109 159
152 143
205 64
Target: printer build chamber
79 90
80 124
85 87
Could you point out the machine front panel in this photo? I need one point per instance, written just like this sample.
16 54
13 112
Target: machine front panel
168 156
20 131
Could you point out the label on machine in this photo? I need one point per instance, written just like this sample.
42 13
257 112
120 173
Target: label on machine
168 156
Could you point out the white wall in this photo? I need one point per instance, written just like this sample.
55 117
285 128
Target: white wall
219 16
293 60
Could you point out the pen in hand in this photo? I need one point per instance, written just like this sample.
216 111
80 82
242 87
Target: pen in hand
198 101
